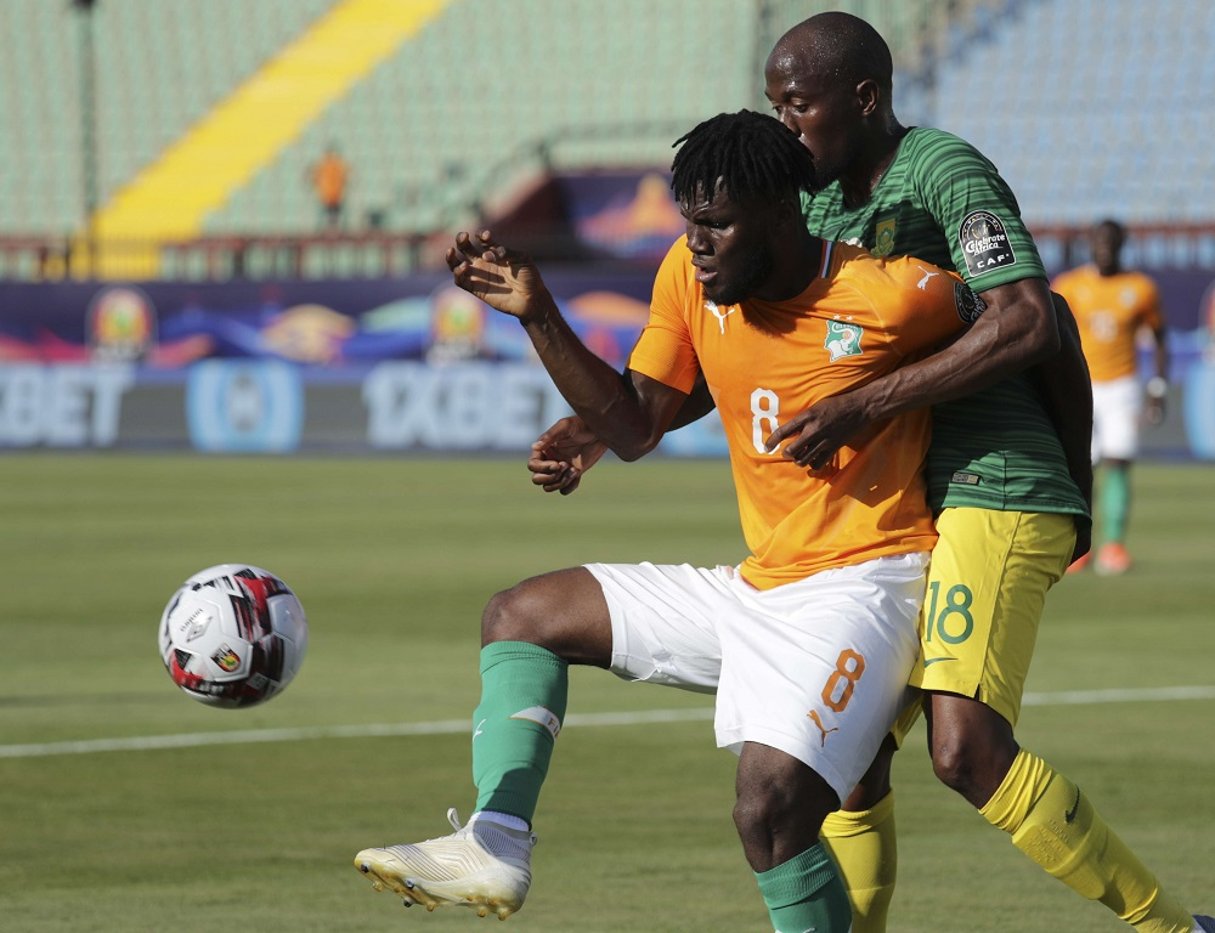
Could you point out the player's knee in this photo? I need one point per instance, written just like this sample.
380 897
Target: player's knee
511 615
972 765
759 812
772 809
952 763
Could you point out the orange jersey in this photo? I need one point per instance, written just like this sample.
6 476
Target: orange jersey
1110 310
329 177
764 362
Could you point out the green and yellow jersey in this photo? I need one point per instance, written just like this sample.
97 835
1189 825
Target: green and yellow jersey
942 201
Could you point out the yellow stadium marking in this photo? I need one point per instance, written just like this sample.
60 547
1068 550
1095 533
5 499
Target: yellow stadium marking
196 175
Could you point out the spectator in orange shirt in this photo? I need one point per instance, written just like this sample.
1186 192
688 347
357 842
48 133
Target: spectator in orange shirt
329 176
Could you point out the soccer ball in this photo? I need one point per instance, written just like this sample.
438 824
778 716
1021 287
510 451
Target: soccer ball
233 635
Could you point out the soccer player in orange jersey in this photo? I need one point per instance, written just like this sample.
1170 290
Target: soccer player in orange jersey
809 641
1113 306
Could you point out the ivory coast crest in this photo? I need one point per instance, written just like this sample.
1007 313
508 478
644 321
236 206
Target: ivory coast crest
843 339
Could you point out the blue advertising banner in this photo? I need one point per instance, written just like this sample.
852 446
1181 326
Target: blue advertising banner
389 365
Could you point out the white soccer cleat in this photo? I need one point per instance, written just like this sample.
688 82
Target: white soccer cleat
482 865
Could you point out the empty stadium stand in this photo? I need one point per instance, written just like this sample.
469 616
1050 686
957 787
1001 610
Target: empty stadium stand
1089 107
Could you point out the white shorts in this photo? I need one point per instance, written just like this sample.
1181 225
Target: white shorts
817 669
1116 408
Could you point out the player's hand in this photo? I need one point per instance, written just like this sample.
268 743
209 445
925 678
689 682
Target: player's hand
1154 411
819 431
562 454
504 279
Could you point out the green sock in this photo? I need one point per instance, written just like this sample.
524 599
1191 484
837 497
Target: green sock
523 695
805 893
1115 502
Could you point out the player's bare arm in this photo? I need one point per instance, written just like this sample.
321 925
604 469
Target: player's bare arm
629 413
561 455
1067 396
1017 330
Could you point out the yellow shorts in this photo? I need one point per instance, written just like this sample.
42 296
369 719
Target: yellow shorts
986 588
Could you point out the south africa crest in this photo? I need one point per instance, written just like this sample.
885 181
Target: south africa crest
883 236
843 340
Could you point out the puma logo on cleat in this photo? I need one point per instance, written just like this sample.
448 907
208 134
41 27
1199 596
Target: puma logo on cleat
1070 815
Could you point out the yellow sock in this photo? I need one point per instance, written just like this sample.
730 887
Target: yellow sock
1056 826
865 849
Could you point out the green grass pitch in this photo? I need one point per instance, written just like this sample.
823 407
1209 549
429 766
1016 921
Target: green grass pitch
393 560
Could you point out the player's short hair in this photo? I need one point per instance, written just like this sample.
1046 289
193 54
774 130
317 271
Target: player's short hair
842 46
751 155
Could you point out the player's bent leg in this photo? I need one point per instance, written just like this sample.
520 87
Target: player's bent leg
861 839
780 804
971 745
564 611
1053 823
530 634
989 576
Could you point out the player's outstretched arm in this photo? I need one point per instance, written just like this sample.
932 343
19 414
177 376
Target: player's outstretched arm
1017 330
628 413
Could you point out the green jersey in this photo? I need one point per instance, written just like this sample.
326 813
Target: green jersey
942 201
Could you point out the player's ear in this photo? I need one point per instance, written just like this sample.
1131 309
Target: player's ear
868 97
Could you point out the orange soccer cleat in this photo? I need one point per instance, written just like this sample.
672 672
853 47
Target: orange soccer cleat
1114 559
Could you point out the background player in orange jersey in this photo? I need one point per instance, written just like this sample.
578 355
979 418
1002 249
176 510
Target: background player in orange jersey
808 642
1113 306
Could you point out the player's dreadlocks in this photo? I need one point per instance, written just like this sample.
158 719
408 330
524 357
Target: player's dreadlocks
753 155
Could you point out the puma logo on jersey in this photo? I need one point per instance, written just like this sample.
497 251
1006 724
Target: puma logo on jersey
716 312
922 284
814 718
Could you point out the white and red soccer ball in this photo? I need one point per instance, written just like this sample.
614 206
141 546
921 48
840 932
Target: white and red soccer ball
233 635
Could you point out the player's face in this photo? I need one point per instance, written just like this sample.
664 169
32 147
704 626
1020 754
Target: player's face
823 113
731 247
1106 244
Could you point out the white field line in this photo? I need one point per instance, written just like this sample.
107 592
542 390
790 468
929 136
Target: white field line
457 726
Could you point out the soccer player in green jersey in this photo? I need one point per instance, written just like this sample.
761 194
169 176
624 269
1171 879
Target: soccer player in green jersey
1010 479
